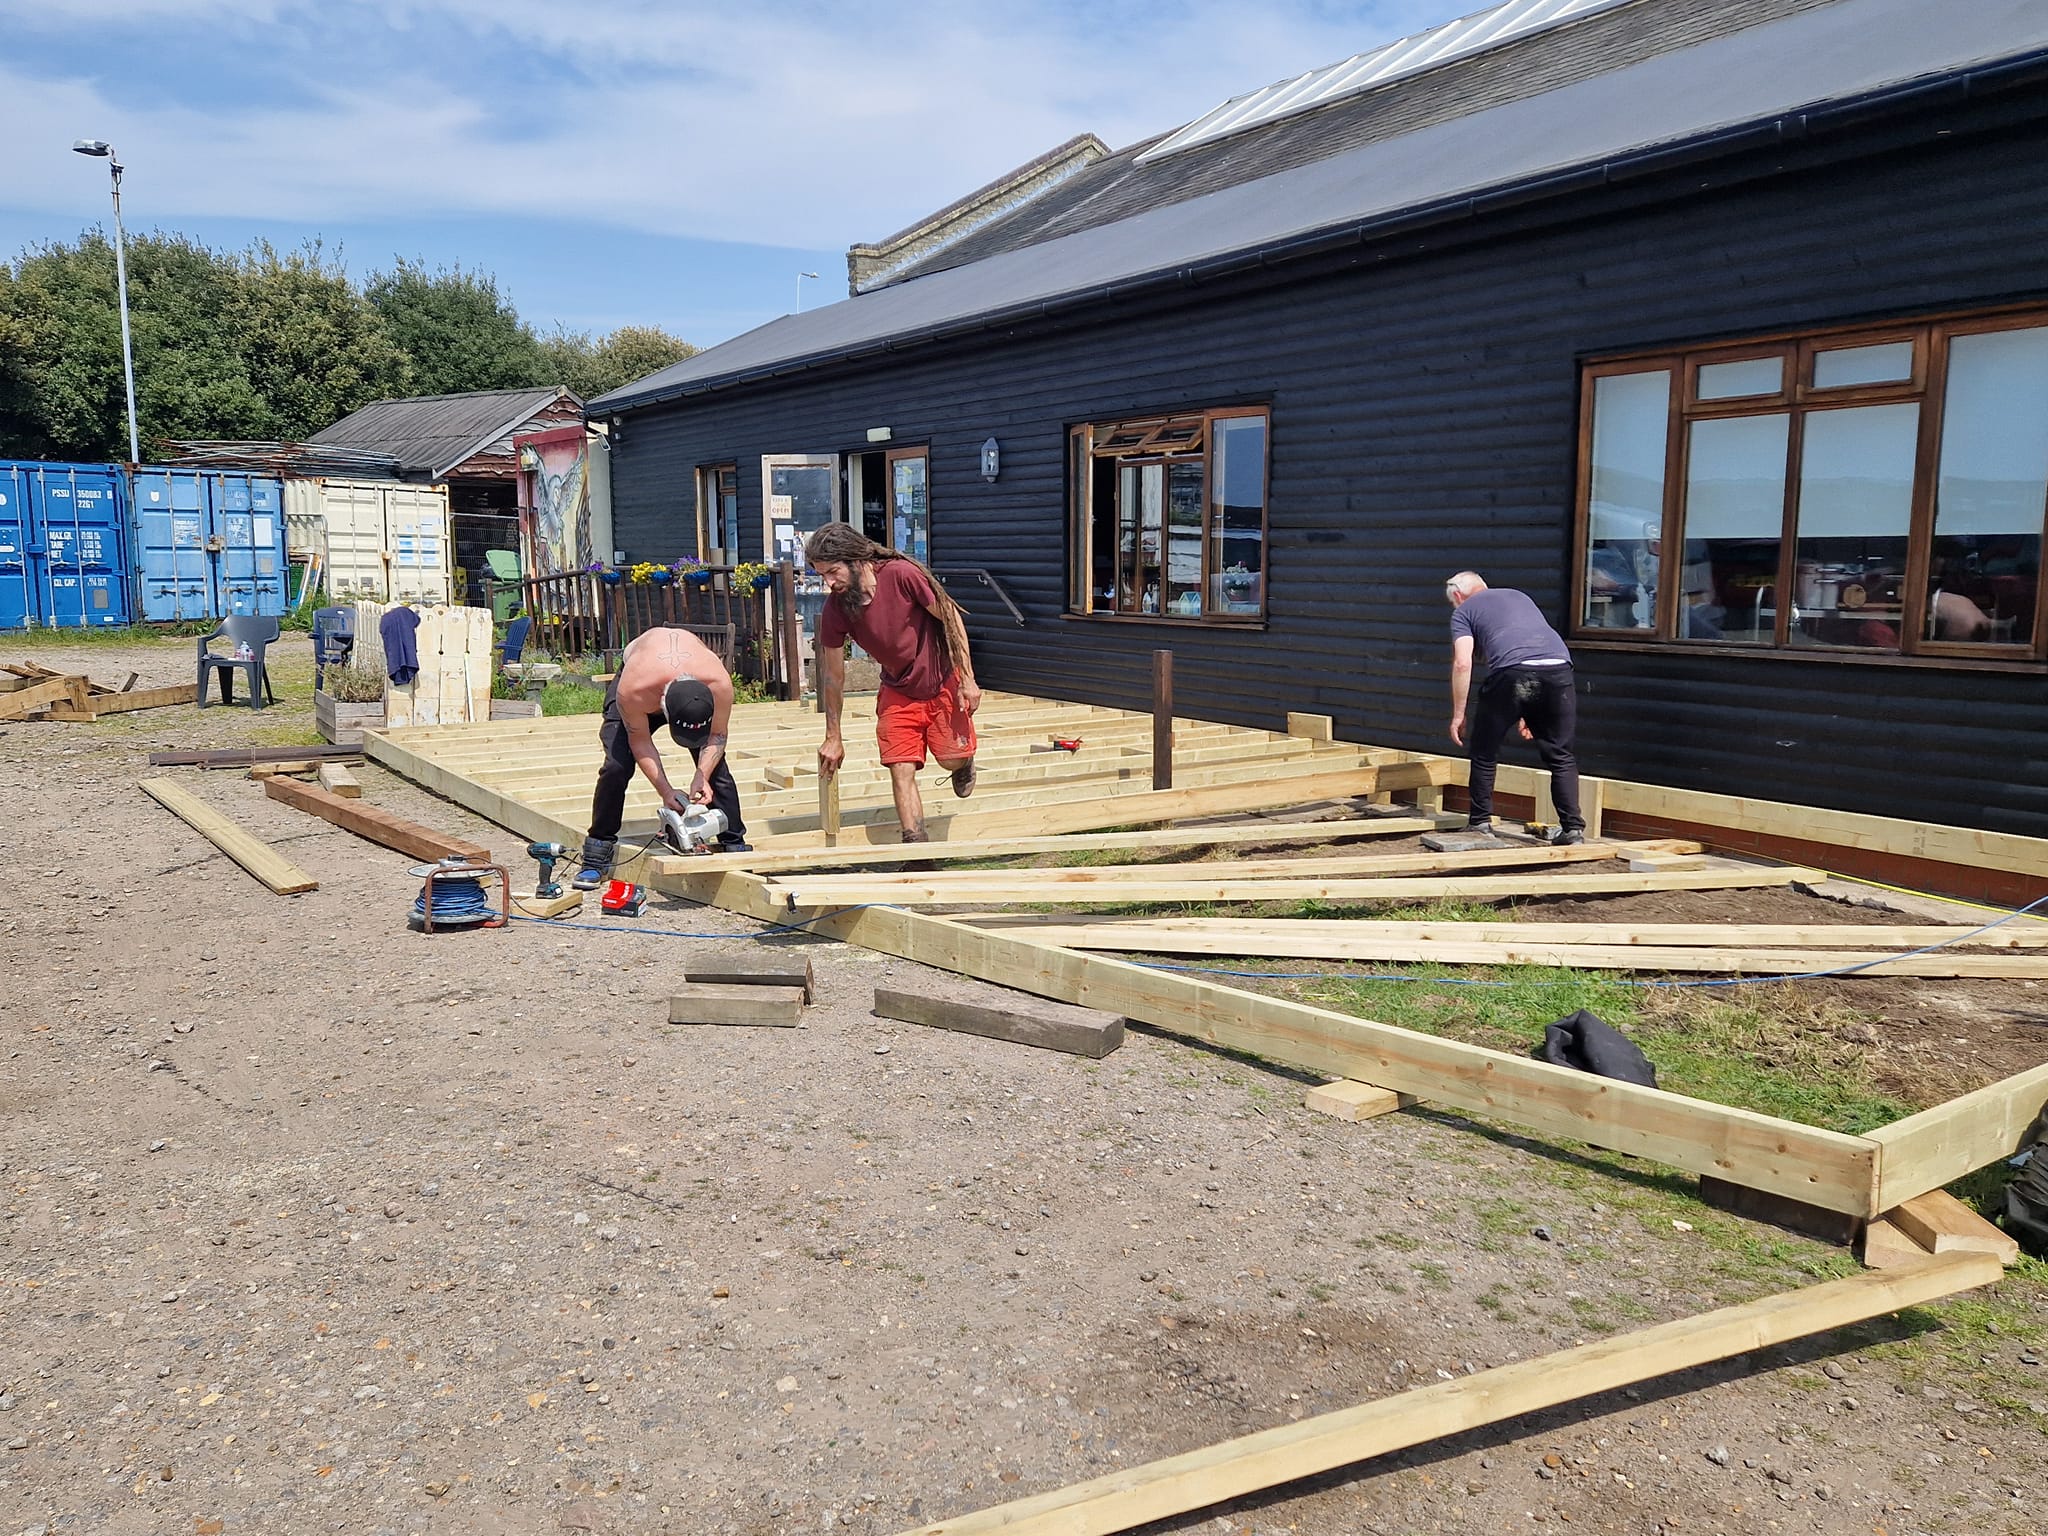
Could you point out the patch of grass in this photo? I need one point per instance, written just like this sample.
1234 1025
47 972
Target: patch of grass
1433 1276
566 697
1495 1300
1400 1242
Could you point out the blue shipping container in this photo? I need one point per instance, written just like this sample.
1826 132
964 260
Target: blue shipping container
212 542
63 545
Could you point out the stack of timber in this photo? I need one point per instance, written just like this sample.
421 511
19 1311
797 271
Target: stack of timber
31 691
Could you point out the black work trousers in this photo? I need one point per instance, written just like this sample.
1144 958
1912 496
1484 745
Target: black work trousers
608 804
1544 699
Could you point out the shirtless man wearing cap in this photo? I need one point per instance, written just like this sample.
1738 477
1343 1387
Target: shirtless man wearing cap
666 677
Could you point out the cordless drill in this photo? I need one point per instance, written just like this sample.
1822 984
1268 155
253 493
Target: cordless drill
547 856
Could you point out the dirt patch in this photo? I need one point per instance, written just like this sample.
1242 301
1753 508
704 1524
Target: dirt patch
313 1223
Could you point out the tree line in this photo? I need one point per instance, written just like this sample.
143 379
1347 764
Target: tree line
262 344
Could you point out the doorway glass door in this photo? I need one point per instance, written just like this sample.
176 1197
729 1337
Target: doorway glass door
909 503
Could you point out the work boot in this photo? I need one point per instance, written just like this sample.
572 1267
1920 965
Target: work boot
918 866
596 865
1567 837
963 779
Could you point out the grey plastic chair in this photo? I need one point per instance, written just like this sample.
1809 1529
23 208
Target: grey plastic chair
241 631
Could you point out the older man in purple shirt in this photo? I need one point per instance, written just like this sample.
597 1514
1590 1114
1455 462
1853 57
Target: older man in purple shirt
1528 678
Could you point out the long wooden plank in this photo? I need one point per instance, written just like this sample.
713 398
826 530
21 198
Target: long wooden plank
1649 935
1355 865
254 855
368 821
1134 1496
244 757
1942 1144
839 890
1276 832
1271 940
1819 1167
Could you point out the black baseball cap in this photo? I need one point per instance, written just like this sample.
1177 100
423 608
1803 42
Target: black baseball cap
688 707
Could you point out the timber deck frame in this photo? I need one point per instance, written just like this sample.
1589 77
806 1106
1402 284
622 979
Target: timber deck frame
534 777
529 776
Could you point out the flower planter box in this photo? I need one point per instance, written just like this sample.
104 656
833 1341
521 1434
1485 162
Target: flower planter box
344 724
515 709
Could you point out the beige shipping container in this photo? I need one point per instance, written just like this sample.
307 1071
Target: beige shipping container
384 539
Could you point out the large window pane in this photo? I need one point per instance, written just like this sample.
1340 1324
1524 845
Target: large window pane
1237 480
1631 417
1734 525
1985 569
1855 514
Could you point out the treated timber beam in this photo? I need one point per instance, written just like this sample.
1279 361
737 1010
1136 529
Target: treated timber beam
367 821
506 810
38 697
1353 864
254 855
1820 1167
1271 940
1134 1496
1940 1145
124 703
827 890
1652 935
764 860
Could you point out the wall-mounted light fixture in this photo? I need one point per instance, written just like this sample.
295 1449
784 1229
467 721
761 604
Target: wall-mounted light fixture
880 434
991 460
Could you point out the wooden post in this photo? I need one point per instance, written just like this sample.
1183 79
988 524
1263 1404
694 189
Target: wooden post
1162 719
790 633
828 808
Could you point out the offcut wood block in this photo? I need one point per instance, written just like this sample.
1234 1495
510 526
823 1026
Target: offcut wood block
337 780
1347 1100
1940 1223
1779 1210
703 1002
793 972
1022 1020
1886 1247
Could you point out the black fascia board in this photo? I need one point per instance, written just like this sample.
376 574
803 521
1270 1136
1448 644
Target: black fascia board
1954 88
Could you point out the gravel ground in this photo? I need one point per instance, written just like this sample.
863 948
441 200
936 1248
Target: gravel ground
317 1224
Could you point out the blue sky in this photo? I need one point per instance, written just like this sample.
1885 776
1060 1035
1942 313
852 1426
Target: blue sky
663 162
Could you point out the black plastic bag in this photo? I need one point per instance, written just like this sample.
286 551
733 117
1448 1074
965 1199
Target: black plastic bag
1589 1043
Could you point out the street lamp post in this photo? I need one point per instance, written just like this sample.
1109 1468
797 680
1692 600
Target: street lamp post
800 289
101 149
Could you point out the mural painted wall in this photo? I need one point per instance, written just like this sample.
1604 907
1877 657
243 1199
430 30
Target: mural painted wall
555 501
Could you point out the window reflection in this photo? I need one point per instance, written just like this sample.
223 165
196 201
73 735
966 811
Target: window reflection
1984 570
1734 524
1631 412
1855 514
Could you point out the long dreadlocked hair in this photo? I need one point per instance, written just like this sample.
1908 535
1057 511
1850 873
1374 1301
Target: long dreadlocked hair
843 543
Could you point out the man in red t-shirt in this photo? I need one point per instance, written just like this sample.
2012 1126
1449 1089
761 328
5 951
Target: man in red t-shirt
889 603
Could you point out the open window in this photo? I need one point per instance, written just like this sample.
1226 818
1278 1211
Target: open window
1169 517
1871 491
718 513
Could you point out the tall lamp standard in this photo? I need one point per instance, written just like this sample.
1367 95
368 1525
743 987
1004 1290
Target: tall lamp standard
101 149
800 289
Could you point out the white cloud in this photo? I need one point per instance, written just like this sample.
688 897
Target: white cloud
800 125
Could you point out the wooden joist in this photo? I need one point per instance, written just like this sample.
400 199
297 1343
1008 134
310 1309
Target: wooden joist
1309 939
1820 1167
1942 1144
1133 1496
254 855
1166 886
1256 832
1866 936
369 822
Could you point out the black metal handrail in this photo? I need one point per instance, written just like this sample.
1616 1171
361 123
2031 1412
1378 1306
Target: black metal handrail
987 579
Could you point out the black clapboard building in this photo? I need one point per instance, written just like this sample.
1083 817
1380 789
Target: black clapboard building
1719 326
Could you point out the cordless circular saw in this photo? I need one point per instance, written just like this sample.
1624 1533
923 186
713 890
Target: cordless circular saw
696 830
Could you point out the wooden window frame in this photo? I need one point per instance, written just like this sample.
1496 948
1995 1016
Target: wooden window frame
1797 399
1157 444
707 502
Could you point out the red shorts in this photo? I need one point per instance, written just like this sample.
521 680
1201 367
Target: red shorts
906 727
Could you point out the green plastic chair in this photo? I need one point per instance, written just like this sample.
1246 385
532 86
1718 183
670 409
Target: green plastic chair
504 591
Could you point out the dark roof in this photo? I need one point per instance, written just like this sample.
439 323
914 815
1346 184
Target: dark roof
1117 187
433 433
1774 79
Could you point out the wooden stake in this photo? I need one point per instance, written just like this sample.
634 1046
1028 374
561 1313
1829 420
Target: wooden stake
828 808
1162 720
